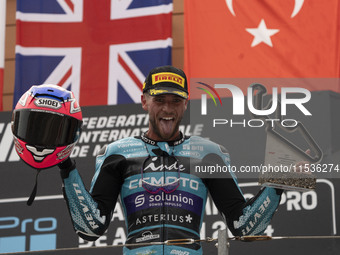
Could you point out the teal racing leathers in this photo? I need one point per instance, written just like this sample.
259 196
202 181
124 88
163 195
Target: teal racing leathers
162 197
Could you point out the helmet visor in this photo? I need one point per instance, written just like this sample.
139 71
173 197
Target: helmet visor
48 129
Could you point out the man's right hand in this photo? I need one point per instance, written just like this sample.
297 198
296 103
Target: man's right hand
66 167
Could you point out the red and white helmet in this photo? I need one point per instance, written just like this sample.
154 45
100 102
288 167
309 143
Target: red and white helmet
46 124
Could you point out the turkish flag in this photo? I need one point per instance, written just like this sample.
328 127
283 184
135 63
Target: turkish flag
262 38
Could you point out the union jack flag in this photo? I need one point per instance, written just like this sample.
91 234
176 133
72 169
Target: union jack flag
101 50
2 46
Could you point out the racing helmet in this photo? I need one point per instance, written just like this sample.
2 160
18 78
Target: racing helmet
46 124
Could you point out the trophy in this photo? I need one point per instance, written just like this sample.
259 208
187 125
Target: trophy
282 159
286 164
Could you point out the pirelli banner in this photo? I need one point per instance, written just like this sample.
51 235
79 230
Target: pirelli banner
46 225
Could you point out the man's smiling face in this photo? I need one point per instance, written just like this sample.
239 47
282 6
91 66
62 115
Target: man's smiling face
165 114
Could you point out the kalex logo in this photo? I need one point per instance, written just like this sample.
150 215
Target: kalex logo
255 95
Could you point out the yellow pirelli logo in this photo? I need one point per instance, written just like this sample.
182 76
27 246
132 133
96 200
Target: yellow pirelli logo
168 77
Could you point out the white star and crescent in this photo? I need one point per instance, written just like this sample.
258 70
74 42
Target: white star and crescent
262 34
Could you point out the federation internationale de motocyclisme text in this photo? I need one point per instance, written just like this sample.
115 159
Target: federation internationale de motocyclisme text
312 168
